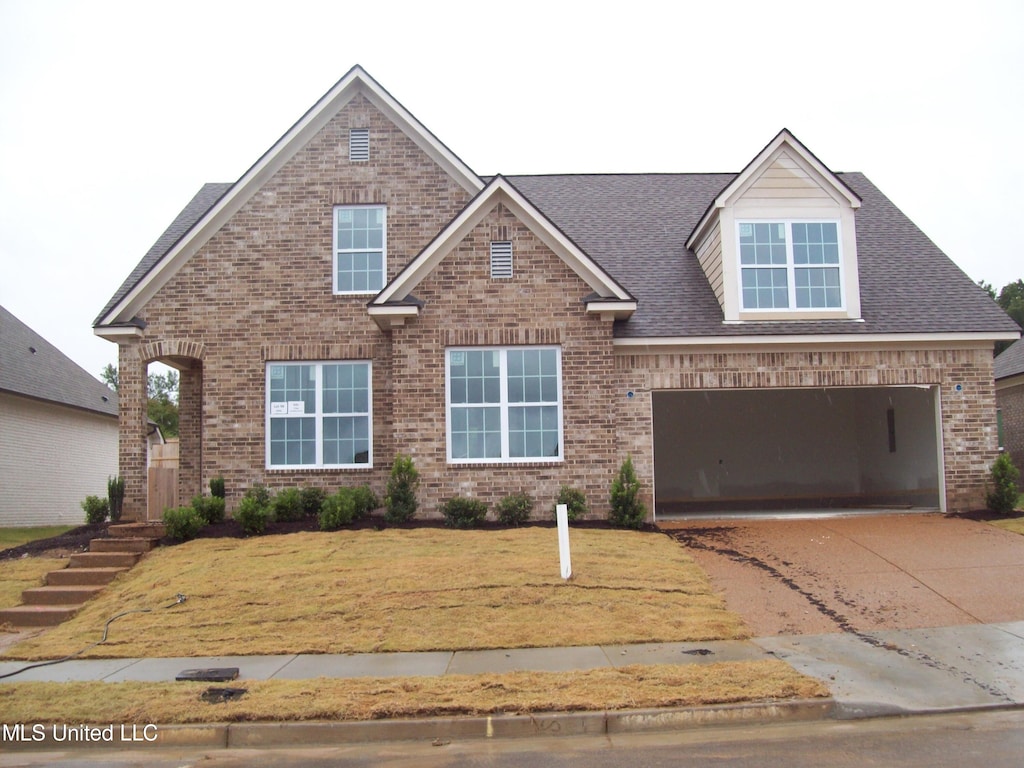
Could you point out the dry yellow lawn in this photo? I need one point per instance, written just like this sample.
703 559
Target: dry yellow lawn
398 590
24 573
369 698
1013 524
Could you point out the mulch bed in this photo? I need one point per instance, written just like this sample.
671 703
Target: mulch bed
77 539
67 543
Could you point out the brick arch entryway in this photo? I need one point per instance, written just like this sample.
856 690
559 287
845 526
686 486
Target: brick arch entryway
134 357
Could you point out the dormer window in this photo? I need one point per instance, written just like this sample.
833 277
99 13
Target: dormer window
790 265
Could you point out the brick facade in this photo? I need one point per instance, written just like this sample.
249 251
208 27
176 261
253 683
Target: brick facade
542 304
260 291
1010 398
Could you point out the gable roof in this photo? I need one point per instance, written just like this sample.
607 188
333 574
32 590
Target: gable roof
32 367
203 201
1011 361
501 191
784 141
147 278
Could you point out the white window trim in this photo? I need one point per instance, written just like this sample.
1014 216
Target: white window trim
335 251
504 408
319 414
790 267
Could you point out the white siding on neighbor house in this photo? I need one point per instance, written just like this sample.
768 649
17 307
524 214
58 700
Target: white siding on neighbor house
52 457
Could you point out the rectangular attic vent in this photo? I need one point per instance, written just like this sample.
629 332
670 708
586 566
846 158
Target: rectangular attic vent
501 259
359 144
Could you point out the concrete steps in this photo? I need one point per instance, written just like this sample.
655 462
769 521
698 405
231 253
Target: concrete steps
81 577
75 595
67 589
104 560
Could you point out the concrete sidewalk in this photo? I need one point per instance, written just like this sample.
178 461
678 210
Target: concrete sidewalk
868 673
305 666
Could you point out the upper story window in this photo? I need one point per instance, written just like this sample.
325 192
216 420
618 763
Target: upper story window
504 404
360 250
790 265
359 144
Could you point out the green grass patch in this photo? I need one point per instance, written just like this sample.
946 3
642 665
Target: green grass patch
13 537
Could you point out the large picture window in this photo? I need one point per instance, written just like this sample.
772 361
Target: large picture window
360 250
319 415
790 265
504 404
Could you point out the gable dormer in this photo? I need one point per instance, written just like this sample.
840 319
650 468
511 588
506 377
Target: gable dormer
779 242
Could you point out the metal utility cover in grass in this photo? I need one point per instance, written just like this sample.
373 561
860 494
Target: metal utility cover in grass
213 675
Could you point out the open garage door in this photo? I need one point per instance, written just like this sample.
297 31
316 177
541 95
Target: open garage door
798 449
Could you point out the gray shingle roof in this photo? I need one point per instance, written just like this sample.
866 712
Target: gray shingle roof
189 216
636 227
1011 361
31 366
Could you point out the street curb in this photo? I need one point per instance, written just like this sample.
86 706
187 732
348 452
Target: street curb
443 730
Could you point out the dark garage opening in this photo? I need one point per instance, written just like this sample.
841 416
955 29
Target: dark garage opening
795 449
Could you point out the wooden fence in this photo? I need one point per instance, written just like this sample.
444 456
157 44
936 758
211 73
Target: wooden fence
163 479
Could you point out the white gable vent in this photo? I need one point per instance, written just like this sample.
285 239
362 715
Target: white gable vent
359 144
501 259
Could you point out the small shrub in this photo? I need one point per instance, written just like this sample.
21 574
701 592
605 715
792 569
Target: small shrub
253 516
115 497
515 509
217 487
366 500
96 509
338 510
210 508
183 523
287 506
312 499
260 494
400 498
460 512
574 500
627 510
1002 492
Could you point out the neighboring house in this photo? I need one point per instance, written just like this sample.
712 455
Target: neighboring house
781 337
1009 373
58 431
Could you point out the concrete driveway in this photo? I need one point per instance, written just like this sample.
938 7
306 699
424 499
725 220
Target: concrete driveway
859 574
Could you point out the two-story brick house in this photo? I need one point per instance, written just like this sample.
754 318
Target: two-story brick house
780 337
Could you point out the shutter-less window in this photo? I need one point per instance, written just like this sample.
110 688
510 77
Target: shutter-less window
501 259
359 144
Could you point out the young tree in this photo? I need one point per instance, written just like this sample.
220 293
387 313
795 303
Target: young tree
162 391
1011 299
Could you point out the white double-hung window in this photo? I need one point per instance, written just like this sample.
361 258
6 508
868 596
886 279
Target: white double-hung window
319 415
790 265
504 404
360 248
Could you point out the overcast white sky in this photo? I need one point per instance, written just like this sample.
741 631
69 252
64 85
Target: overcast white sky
113 114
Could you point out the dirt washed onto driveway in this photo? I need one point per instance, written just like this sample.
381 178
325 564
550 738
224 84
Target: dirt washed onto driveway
858 574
